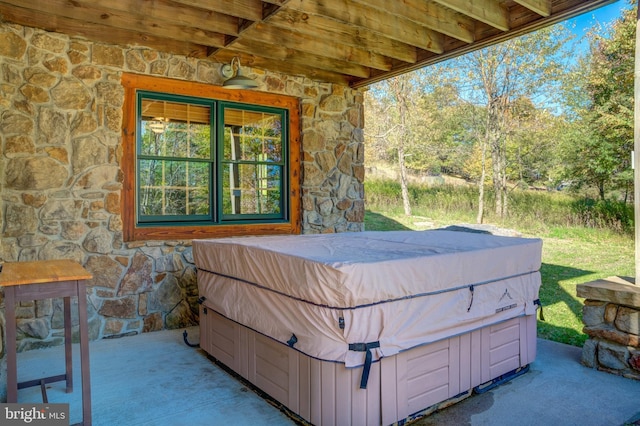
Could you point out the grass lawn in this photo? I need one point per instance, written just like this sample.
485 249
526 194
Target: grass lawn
573 256
570 256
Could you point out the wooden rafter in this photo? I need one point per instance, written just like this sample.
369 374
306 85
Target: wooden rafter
430 15
541 7
343 34
488 11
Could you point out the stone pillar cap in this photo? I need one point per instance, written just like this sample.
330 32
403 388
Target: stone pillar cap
620 290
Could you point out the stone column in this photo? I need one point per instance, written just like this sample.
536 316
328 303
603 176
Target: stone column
611 316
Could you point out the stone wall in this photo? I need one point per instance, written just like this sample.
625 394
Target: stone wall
611 316
60 177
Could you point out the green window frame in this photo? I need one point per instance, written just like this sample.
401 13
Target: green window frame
202 161
212 104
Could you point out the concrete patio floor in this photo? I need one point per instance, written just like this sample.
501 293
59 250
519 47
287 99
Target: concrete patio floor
155 379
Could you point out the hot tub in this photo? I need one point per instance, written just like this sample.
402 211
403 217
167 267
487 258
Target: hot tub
369 327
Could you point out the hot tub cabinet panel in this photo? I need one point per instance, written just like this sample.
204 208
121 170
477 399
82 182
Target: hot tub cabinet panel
328 393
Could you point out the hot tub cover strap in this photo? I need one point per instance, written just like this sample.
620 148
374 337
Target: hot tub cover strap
365 347
537 302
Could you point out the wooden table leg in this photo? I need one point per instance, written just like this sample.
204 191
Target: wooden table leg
68 356
84 354
11 345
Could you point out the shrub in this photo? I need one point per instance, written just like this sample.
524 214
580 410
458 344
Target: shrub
610 214
527 209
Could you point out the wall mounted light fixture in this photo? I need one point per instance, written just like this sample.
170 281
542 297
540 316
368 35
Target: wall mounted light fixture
234 78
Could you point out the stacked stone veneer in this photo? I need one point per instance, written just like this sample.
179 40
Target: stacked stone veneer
60 176
611 316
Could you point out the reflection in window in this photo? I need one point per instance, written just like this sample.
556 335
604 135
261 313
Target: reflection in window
174 188
171 180
252 189
251 136
253 167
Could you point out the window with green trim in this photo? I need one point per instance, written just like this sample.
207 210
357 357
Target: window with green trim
204 162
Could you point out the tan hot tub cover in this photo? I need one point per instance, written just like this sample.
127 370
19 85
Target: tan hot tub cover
396 290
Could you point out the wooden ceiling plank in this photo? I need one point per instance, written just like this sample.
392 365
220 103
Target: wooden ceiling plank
541 7
163 10
431 15
342 33
488 11
96 32
158 12
122 21
250 10
306 43
360 16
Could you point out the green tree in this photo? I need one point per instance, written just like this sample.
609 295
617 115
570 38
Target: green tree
442 141
599 155
411 121
532 143
497 78
389 126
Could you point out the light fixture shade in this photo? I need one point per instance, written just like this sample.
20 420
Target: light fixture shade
240 81
158 125
237 81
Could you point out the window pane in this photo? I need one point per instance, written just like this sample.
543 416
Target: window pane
173 129
168 188
251 189
252 136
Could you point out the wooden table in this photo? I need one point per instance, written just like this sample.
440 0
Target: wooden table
48 279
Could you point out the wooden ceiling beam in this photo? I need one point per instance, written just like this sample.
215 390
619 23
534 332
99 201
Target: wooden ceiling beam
171 12
250 10
431 15
541 7
97 32
360 16
119 20
305 43
156 21
342 33
488 11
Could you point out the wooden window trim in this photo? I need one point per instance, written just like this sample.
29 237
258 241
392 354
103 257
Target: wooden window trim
130 232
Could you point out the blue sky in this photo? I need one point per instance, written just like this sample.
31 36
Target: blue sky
583 23
602 15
